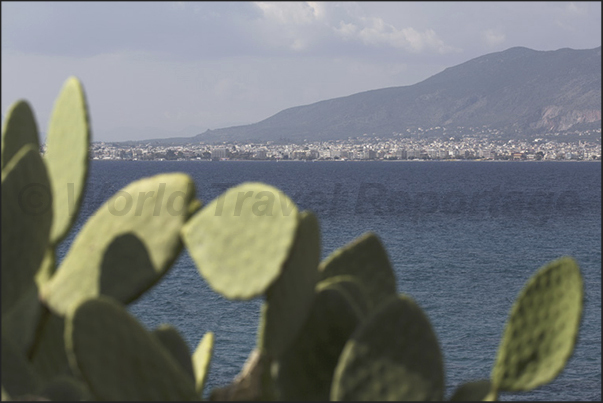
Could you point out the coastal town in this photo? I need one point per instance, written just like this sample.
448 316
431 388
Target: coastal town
472 146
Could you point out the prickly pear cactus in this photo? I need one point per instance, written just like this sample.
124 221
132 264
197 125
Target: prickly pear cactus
474 392
19 129
138 368
350 288
21 322
26 222
289 298
366 259
241 240
18 376
542 328
172 341
392 355
201 360
305 371
66 157
48 355
47 267
65 388
127 245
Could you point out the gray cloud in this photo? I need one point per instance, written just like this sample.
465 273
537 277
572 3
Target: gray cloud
200 31
212 30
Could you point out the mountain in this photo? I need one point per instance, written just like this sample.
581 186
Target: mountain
519 90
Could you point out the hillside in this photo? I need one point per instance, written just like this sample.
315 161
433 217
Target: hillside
518 90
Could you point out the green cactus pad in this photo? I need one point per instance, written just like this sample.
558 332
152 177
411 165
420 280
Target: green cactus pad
66 157
289 298
202 359
173 342
241 240
19 129
48 355
542 328
24 322
126 246
392 355
18 376
47 267
26 222
352 289
366 259
305 370
119 359
194 206
473 392
65 388
21 322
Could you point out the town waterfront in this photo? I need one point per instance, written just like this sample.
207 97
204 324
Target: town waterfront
574 146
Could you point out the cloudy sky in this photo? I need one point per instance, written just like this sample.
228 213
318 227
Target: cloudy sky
176 69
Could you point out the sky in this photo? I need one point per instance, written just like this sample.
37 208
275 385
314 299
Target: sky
176 69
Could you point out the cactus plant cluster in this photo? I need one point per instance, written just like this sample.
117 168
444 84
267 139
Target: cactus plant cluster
330 330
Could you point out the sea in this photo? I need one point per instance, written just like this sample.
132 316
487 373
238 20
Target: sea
463 238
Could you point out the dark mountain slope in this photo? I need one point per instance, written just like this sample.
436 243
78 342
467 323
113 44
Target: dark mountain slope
517 89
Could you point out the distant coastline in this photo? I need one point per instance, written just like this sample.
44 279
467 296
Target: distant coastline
334 161
583 147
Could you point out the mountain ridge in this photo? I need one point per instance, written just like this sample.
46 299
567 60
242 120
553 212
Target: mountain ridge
518 90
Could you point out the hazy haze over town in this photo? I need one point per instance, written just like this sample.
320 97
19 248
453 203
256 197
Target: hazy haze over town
167 69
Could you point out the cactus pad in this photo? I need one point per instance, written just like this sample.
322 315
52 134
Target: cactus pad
48 355
201 360
542 328
47 267
241 240
21 322
173 342
289 298
18 376
392 355
18 129
473 392
64 388
118 358
66 157
26 222
351 289
366 259
122 251
305 370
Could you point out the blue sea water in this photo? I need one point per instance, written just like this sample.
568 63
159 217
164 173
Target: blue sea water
463 238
